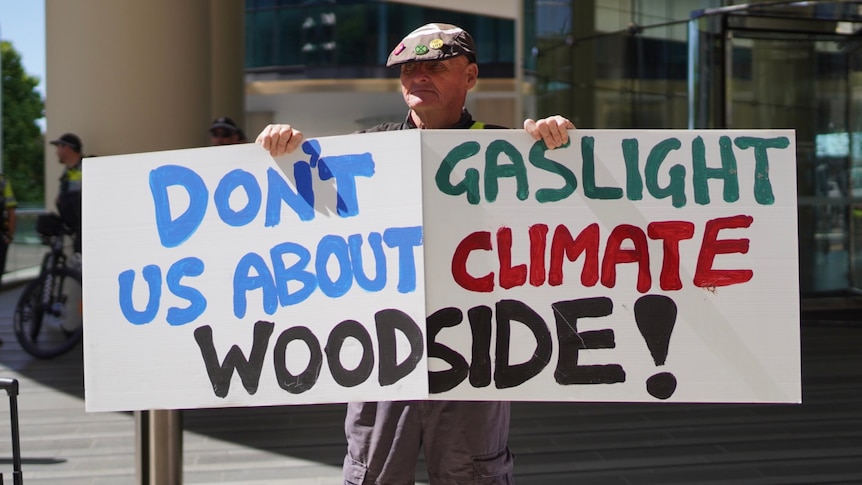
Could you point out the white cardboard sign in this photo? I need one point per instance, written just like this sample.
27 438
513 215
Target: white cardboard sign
627 266
215 278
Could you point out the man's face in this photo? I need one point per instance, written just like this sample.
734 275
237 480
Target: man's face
438 85
64 152
221 136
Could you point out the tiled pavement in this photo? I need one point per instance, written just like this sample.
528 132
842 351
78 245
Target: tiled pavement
818 442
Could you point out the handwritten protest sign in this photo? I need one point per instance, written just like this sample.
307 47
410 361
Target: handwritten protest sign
215 278
627 266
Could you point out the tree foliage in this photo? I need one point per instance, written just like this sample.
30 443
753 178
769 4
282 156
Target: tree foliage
23 141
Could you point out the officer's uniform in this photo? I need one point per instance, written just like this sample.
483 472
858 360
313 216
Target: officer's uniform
7 201
69 201
464 442
69 196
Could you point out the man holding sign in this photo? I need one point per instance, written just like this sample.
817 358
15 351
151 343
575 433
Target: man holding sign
464 442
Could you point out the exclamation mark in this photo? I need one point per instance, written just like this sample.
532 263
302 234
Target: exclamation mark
656 316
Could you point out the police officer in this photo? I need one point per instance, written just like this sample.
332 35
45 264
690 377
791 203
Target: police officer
8 204
68 202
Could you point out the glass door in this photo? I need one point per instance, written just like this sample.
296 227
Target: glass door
854 121
771 71
814 103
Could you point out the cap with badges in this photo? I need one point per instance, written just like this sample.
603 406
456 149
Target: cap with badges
433 42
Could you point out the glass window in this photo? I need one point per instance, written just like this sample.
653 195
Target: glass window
325 39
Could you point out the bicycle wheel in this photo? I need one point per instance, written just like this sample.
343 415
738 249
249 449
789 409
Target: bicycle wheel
50 325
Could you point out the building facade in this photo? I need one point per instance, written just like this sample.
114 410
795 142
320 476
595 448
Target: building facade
323 62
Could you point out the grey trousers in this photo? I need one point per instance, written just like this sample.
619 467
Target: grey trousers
464 442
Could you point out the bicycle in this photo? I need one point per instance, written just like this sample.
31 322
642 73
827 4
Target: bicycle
48 317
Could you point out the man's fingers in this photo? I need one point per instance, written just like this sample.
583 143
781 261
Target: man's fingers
558 127
552 130
264 139
268 137
261 138
534 128
280 143
279 139
295 140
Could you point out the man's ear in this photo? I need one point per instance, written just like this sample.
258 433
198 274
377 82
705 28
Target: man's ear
472 74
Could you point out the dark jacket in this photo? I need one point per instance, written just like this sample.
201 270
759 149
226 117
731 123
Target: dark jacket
465 123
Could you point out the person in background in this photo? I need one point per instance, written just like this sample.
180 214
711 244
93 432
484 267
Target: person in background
464 442
68 201
8 204
223 131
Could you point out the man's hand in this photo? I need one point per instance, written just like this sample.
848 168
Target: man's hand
552 130
280 139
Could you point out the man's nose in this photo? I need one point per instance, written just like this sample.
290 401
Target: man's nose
420 76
